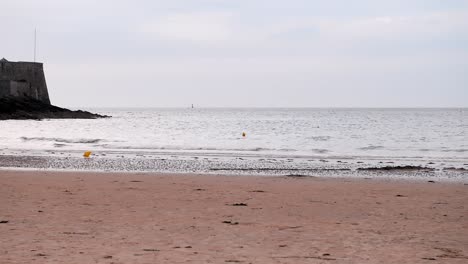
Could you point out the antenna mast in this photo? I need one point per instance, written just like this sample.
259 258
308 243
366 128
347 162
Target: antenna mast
35 38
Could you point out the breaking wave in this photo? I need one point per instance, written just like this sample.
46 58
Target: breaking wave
372 147
320 138
455 150
445 150
216 149
320 151
191 148
64 140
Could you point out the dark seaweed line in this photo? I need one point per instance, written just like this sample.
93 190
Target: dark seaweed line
393 168
274 169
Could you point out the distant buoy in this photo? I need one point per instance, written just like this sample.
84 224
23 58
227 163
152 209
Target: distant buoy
87 154
243 134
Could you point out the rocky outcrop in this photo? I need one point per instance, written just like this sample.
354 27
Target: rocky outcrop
29 108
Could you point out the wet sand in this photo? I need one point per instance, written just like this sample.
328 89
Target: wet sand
76 217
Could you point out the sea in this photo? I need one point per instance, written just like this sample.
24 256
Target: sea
427 143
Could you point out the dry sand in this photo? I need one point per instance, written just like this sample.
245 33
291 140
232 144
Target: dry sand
58 217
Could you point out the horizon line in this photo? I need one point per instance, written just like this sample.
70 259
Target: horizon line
276 107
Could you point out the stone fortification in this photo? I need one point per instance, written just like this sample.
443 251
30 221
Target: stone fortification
23 80
24 95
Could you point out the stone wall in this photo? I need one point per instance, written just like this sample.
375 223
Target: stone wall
23 79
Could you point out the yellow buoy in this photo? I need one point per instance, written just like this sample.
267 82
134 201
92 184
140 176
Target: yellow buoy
243 134
87 154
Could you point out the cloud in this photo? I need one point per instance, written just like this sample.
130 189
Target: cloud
158 50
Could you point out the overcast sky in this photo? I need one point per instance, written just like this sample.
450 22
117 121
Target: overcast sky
244 53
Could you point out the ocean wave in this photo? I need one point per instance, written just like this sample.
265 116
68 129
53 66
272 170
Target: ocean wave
287 149
254 149
372 147
320 151
320 138
64 140
455 150
445 150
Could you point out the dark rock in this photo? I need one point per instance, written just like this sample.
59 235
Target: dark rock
239 204
29 108
230 222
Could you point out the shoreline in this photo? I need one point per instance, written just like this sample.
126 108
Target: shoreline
334 168
120 217
382 179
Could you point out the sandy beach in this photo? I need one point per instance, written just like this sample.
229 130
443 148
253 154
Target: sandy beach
86 217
